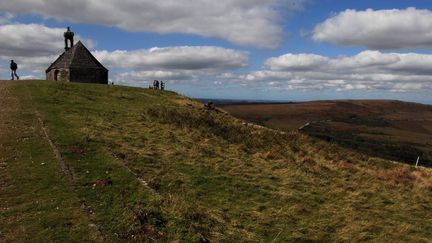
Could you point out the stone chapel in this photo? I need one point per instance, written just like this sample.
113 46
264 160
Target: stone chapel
76 64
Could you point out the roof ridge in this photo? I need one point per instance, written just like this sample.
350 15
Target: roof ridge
75 47
78 56
72 50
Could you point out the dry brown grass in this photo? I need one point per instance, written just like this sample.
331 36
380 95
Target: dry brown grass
402 175
388 129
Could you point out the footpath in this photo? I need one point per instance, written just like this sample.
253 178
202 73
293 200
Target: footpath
37 200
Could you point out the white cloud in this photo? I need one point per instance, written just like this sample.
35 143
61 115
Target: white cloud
175 58
245 22
368 70
180 63
35 46
145 77
403 87
28 77
295 62
36 65
378 29
29 40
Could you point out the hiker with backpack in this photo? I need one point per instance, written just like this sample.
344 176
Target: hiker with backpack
13 67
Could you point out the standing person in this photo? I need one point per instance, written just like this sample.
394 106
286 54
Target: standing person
13 67
157 84
162 85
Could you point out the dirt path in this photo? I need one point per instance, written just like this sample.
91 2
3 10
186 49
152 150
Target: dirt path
63 165
7 105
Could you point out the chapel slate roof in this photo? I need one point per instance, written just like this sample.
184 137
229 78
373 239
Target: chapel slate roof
76 57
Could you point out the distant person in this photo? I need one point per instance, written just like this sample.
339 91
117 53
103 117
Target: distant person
210 105
69 35
155 84
162 84
13 67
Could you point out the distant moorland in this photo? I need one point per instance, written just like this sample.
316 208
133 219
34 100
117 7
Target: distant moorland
393 130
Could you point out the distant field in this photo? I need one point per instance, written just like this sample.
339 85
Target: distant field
390 129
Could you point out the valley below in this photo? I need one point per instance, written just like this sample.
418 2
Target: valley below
393 130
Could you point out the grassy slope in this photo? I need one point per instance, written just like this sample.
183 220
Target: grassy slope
36 203
209 176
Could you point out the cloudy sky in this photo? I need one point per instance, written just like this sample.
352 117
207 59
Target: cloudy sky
236 49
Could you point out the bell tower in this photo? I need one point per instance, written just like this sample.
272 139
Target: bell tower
69 36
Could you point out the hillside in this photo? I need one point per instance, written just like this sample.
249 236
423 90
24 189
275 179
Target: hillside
388 129
144 165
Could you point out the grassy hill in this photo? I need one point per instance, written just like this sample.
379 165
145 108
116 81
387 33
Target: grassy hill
145 165
388 129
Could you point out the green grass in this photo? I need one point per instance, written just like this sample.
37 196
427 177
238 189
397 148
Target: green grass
36 203
209 176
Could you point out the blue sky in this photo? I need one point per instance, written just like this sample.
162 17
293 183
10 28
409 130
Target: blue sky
236 49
